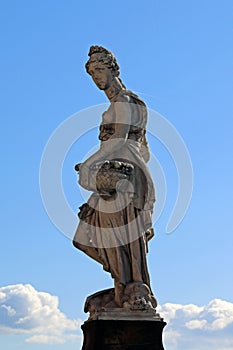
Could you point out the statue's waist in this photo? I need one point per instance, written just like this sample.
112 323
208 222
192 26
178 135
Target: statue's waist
108 130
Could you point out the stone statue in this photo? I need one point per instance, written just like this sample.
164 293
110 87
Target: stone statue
115 223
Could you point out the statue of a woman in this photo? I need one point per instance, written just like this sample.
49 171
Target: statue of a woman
115 224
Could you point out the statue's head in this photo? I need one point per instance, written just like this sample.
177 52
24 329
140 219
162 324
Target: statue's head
102 66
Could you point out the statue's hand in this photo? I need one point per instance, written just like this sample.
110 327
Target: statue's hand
87 177
83 176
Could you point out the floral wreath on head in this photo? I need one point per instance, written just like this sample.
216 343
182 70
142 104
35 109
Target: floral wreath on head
104 56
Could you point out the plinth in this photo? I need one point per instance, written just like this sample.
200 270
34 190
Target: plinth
125 331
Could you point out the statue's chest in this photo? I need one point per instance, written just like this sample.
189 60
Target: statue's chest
109 116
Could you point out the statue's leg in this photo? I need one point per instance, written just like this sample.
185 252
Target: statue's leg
119 292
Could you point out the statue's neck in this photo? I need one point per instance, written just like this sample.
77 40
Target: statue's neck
114 89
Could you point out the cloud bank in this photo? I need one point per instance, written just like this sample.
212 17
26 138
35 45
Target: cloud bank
24 310
198 327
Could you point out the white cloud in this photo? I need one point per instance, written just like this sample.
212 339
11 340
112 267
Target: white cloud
196 324
24 310
46 339
198 327
52 339
221 314
10 310
172 337
2 296
170 311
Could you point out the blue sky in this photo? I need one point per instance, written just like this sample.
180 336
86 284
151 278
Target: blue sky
177 55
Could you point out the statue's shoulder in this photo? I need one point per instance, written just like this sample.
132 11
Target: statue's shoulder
131 97
123 96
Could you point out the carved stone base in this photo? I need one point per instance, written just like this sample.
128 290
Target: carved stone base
123 334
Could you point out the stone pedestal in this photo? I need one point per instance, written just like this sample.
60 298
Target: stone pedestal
123 334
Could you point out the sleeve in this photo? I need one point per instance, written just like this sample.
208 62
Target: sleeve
145 150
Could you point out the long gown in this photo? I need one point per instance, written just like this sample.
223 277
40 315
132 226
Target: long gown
112 229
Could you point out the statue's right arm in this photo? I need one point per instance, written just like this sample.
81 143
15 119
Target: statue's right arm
87 174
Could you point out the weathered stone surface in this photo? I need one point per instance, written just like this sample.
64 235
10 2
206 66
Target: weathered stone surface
124 315
116 223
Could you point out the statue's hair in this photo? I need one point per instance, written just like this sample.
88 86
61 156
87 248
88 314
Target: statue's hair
104 56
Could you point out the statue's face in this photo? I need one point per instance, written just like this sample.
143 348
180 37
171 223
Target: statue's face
101 75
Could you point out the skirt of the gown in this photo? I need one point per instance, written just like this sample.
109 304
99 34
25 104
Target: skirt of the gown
112 231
